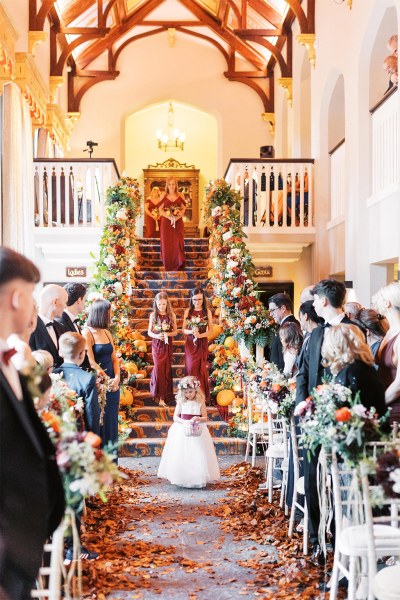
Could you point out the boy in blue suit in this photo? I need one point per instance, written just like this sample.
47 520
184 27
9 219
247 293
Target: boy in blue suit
72 350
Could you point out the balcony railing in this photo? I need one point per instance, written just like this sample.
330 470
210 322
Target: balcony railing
277 193
385 146
72 193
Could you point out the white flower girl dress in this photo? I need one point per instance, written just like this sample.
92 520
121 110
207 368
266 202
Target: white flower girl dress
189 460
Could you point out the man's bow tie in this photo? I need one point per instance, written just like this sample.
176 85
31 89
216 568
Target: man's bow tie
50 324
326 325
7 355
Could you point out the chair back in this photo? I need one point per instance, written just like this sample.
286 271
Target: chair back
297 448
277 432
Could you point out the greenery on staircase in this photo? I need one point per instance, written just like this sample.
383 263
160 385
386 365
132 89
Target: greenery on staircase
231 275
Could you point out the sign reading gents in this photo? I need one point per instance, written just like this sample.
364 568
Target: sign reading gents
263 271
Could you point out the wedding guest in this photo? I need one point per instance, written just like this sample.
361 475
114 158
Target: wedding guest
387 302
291 339
45 359
23 355
375 326
281 309
352 309
309 320
349 358
52 301
172 232
73 351
75 306
102 357
329 295
306 294
31 491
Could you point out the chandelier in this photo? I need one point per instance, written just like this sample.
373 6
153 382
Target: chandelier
174 139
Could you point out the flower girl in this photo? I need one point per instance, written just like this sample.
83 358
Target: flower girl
189 458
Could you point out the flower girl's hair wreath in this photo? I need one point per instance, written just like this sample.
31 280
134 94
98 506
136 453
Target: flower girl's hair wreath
189 383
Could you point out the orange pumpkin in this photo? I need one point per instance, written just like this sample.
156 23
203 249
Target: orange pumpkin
139 343
229 342
136 335
131 367
126 398
237 401
142 372
215 332
225 397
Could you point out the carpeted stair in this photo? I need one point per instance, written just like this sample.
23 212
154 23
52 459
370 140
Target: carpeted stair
150 421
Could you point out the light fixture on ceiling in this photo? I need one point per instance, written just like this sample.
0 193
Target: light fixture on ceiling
174 139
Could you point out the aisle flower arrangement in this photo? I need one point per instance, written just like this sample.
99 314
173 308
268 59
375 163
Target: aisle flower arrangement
335 420
231 272
85 468
115 269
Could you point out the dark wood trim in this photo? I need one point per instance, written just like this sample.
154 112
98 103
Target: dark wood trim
78 160
392 91
337 146
267 161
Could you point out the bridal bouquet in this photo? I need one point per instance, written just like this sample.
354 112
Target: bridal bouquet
103 386
196 323
162 327
172 212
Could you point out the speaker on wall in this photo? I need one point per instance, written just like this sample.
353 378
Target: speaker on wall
267 152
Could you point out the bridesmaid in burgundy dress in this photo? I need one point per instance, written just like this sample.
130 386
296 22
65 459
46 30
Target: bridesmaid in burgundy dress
172 208
162 328
151 220
197 322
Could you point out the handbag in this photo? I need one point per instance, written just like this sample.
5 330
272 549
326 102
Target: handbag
192 429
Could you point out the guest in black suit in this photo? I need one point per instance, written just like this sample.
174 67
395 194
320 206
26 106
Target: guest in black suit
70 316
329 296
53 300
351 361
72 349
31 492
281 309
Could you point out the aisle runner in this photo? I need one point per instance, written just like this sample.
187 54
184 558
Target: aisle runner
224 542
152 421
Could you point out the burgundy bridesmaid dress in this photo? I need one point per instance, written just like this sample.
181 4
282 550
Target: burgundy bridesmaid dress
161 376
196 354
151 226
172 239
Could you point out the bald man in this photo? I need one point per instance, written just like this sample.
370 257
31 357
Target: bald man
52 302
306 294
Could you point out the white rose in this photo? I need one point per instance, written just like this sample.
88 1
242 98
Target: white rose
122 214
109 261
227 235
216 211
231 264
126 242
236 291
95 296
118 288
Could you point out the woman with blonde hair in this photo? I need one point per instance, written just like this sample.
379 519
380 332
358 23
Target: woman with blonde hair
387 302
346 353
172 232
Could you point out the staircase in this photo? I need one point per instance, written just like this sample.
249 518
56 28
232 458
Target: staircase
150 421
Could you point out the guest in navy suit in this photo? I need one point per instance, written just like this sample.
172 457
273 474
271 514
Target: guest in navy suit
329 296
70 316
52 301
72 349
31 493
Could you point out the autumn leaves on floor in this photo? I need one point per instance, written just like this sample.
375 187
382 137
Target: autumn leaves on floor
225 542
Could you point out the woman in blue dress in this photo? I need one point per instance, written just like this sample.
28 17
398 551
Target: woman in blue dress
102 357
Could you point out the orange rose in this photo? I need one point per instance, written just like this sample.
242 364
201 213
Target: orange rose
92 439
343 414
275 387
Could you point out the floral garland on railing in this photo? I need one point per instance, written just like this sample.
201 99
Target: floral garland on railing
231 272
115 269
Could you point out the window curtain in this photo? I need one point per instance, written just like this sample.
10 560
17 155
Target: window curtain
17 167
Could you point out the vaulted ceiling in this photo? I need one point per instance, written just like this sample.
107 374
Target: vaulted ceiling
252 35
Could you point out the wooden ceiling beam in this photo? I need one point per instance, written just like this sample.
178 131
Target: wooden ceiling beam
221 10
274 51
97 48
300 15
259 32
267 100
75 10
96 31
87 81
172 24
266 11
248 53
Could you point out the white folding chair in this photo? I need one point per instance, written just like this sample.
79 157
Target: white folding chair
386 584
298 486
257 427
277 453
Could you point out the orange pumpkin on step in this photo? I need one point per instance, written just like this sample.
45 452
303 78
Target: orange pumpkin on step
126 398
